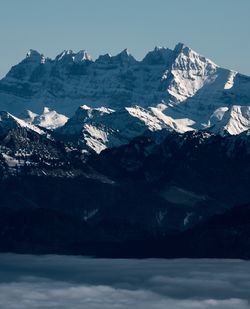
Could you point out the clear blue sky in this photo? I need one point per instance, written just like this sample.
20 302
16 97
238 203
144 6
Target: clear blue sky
218 29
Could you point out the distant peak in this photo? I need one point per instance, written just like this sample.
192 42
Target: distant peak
158 56
104 58
80 56
125 56
181 50
33 55
184 49
125 52
181 47
64 54
158 48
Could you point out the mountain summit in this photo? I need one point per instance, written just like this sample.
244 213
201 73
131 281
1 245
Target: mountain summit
175 88
125 157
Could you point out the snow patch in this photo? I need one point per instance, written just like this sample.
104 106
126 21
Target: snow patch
187 218
88 214
12 162
230 82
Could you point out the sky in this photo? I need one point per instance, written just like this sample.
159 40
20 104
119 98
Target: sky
219 30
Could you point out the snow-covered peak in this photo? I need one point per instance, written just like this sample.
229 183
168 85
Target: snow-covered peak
78 57
49 119
34 56
182 87
190 72
159 56
9 122
67 53
99 128
234 120
82 55
188 59
181 48
83 115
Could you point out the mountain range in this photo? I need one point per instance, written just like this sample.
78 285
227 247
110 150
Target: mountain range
105 156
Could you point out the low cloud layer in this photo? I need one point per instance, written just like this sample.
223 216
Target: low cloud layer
75 282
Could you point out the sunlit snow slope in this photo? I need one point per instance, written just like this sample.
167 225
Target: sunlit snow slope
112 99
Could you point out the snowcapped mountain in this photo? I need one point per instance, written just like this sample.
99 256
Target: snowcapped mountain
9 122
28 150
101 128
163 76
120 97
233 120
48 119
117 152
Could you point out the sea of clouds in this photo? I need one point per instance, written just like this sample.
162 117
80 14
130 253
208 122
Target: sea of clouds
67 282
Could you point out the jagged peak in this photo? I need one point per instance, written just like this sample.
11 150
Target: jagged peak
49 119
106 58
77 57
9 121
82 55
159 55
181 50
180 46
124 56
33 53
160 49
125 52
35 56
64 53
67 53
